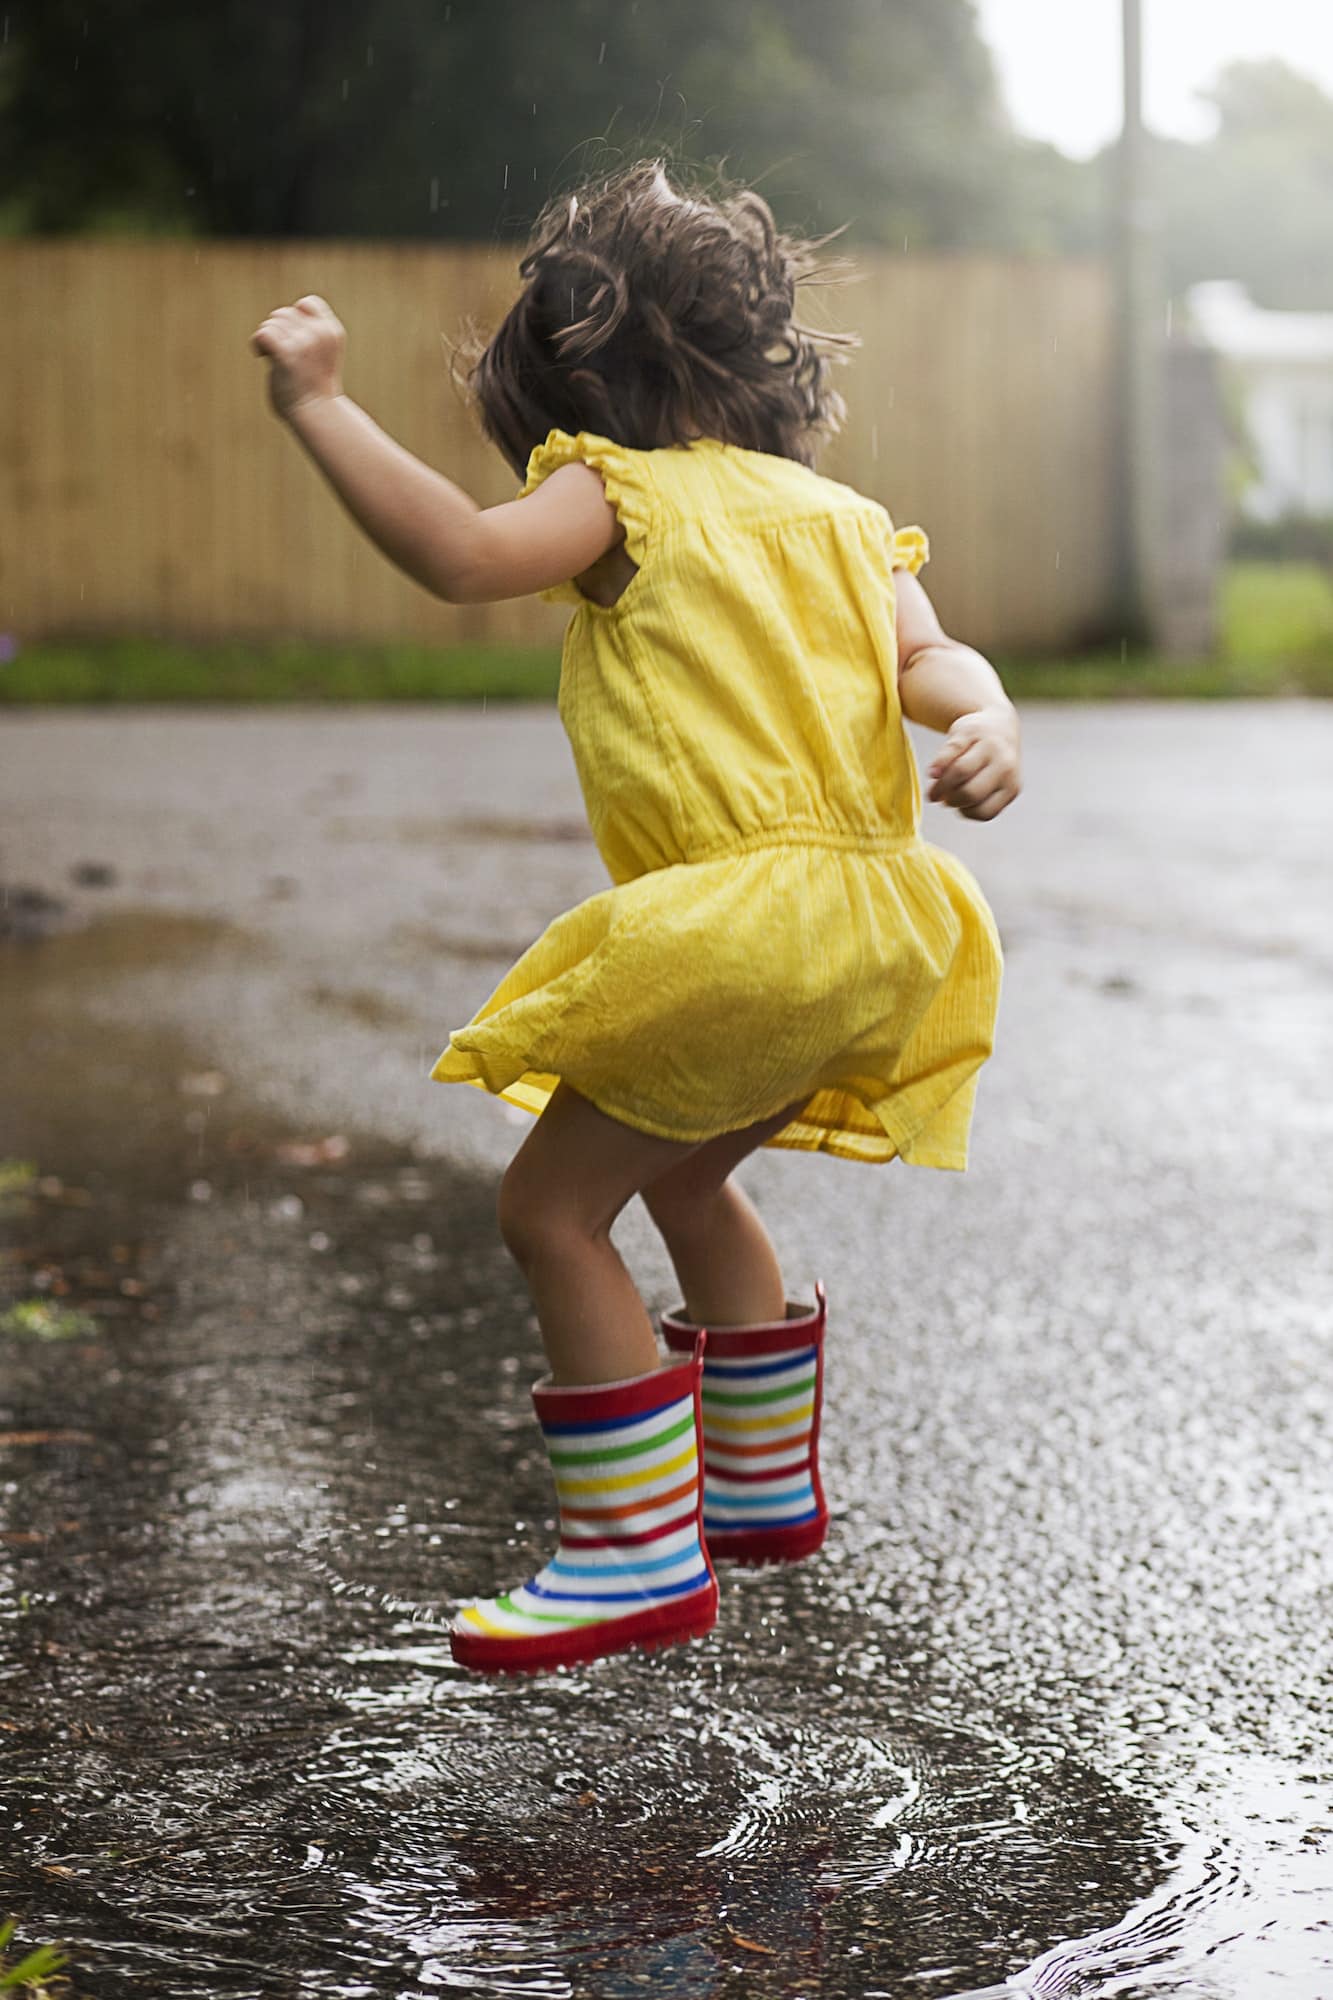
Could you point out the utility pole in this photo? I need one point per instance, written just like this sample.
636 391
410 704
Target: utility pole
1139 335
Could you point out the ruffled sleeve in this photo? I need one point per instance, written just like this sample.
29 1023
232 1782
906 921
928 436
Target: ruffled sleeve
910 549
628 484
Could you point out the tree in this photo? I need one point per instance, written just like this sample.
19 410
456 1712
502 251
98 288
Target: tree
1255 201
421 118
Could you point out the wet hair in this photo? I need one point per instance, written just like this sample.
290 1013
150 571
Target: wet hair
652 317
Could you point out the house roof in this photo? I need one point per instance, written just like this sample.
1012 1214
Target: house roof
1228 319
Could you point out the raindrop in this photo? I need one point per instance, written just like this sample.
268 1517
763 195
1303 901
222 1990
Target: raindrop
601 53
1170 308
1055 343
534 111
874 440
434 193
344 90
370 55
1057 559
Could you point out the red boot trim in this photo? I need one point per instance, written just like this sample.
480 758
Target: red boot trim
662 1625
617 1402
802 1326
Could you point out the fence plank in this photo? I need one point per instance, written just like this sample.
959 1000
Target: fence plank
144 485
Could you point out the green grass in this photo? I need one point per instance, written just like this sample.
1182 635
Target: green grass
30 1973
1279 611
143 670
1277 639
17 1178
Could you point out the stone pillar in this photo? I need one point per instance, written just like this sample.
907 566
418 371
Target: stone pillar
1194 524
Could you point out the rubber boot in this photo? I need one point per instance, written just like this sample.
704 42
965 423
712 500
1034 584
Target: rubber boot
763 1390
631 1568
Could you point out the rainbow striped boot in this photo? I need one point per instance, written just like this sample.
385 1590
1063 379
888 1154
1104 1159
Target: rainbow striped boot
631 1568
763 1389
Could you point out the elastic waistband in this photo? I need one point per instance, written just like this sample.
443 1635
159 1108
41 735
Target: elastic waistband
801 836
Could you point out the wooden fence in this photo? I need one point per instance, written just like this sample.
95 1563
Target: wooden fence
145 486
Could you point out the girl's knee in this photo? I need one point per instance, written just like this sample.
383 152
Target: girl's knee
519 1215
535 1222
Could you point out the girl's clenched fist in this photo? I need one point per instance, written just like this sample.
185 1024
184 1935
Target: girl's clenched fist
978 769
305 344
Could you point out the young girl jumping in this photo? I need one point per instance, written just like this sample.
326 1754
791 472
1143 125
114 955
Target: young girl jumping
781 960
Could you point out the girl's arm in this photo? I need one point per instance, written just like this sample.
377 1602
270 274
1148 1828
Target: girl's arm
953 688
424 523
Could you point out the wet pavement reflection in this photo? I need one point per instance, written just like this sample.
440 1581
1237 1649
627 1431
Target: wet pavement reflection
1028 1726
289 1423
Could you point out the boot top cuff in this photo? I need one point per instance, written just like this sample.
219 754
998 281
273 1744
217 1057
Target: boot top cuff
616 1402
803 1326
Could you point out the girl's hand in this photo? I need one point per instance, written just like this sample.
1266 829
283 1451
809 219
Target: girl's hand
978 769
305 344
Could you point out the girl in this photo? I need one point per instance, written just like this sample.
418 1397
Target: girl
781 960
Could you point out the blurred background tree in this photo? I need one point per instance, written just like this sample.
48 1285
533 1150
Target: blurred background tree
419 118
1255 202
444 119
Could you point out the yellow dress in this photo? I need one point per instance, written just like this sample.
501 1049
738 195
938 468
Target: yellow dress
777 931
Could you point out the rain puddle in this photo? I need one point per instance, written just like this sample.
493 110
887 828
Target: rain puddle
264 1417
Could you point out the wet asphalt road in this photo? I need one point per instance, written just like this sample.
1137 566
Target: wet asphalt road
1052 1713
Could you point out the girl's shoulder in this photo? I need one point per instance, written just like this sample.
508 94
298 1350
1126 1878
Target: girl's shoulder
705 472
738 491
751 488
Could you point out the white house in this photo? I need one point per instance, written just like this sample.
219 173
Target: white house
1283 362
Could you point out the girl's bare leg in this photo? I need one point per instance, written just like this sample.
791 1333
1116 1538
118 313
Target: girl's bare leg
563 1190
727 1266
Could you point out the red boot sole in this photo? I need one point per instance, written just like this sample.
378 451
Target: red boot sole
646 1631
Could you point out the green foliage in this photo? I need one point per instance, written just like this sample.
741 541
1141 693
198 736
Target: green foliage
408 118
1255 202
417 119
16 1179
31 1973
1300 538
44 1319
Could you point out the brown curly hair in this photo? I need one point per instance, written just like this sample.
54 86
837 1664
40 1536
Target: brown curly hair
652 316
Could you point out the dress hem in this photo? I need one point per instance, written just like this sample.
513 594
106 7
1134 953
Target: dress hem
798 1136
